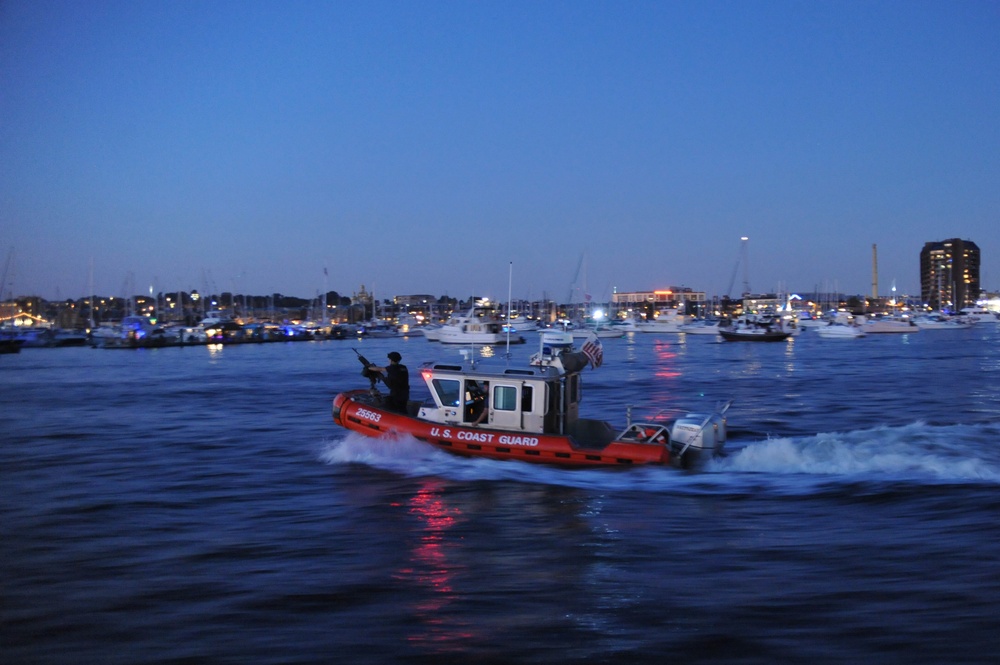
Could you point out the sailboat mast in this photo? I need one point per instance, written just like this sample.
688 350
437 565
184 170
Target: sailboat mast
746 266
90 285
326 289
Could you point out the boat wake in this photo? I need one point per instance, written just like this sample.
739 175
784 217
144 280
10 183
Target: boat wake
403 454
407 456
914 454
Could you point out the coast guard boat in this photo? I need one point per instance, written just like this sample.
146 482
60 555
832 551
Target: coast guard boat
530 414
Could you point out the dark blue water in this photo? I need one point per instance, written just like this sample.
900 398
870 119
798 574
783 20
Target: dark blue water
197 505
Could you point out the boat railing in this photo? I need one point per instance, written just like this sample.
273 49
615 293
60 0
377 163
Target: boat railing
645 433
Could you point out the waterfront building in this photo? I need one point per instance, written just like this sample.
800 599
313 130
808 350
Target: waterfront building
421 301
675 296
762 303
949 274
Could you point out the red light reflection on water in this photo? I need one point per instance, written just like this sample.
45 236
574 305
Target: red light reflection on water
431 569
666 359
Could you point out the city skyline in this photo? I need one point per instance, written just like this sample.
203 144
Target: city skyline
460 149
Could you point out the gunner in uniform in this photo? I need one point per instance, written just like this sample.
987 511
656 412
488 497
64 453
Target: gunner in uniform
397 380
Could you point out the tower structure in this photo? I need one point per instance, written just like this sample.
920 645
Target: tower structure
949 274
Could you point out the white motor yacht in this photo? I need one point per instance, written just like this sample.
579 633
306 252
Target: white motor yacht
839 330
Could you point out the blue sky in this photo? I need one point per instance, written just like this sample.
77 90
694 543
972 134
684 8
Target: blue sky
442 147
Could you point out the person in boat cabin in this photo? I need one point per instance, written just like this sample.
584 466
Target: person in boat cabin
478 394
397 380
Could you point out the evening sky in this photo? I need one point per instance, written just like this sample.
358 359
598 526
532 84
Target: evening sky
460 147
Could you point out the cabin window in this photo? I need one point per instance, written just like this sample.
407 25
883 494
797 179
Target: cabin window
448 391
526 398
505 398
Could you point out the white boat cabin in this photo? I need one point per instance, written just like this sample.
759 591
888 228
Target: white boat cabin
540 400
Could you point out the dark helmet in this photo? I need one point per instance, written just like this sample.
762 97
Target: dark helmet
394 356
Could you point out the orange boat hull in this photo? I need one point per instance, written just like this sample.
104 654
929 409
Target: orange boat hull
354 411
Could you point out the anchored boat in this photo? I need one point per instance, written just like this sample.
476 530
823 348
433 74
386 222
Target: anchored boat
530 414
755 329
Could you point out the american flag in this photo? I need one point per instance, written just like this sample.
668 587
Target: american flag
593 350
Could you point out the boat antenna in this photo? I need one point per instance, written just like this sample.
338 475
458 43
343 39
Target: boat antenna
746 266
510 272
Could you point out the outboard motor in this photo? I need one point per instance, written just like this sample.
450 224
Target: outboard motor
556 350
552 345
696 437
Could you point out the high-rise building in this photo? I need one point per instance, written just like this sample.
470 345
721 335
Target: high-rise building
949 274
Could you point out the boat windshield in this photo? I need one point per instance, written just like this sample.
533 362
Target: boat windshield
448 391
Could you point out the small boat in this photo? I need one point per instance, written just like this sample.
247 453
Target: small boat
980 315
808 320
755 329
473 328
700 327
377 328
530 415
624 325
840 330
103 335
942 322
69 337
665 321
214 317
134 332
432 332
409 325
224 332
521 323
29 337
584 329
10 345
888 324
